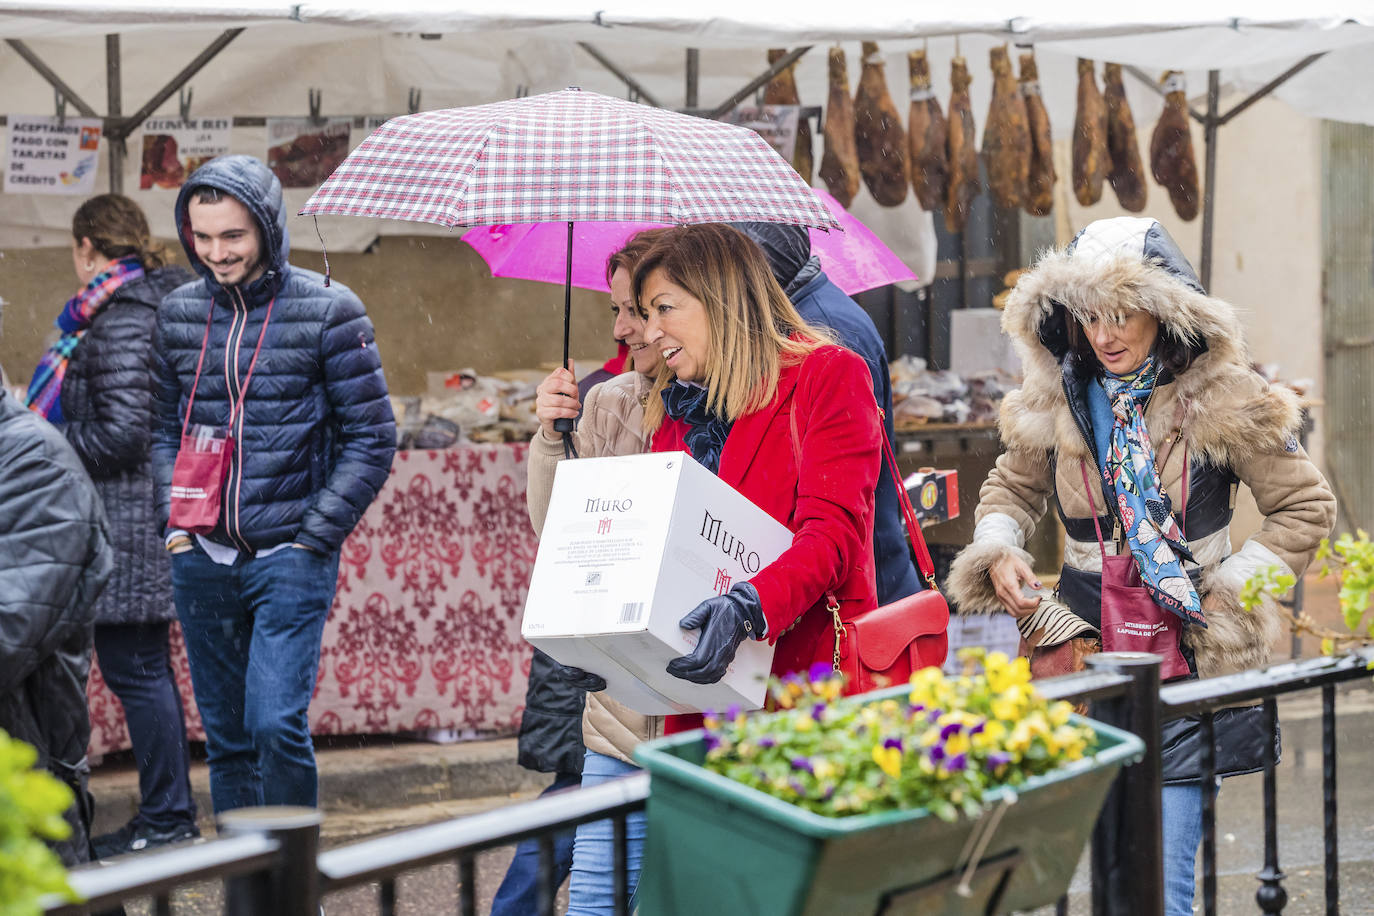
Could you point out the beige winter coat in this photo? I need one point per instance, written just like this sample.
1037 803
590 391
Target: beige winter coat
1232 418
611 424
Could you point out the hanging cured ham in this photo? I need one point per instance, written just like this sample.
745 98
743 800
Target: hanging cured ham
1040 178
927 136
1171 148
1127 175
878 133
1090 157
840 160
963 156
1006 135
782 90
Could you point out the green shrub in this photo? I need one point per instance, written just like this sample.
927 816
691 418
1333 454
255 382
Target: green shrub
31 807
1353 558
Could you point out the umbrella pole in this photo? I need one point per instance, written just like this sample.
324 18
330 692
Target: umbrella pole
564 424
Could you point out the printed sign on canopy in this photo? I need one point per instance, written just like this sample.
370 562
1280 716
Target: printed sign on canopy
173 148
302 153
48 157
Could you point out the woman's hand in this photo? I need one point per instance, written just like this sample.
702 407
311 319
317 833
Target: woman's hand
556 399
1008 575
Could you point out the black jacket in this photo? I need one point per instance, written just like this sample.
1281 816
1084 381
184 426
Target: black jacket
107 405
551 726
315 441
54 561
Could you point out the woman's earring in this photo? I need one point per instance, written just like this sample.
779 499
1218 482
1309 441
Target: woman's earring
90 265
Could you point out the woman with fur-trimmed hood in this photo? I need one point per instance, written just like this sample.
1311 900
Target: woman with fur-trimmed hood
1128 361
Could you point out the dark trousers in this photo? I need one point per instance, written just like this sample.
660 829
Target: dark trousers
136 661
518 894
253 634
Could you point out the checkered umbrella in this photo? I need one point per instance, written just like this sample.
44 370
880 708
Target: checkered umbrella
568 156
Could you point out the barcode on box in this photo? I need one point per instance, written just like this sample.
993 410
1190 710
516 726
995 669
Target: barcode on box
630 613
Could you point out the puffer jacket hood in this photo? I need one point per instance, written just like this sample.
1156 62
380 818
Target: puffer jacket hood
249 181
1114 266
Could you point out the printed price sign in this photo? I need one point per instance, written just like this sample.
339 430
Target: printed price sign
173 148
302 154
46 157
775 123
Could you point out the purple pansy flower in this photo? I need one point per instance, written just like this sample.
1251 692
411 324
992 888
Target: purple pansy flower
937 753
998 759
893 742
952 728
768 741
712 742
803 763
957 763
732 712
818 711
934 716
796 787
978 728
820 671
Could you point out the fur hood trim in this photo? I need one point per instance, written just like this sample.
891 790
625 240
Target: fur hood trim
1232 411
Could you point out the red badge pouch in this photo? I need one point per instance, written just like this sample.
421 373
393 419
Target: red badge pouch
203 460
1131 621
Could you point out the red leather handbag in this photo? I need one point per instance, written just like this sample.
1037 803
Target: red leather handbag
884 646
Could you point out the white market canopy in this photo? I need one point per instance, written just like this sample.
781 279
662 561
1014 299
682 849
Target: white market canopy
366 57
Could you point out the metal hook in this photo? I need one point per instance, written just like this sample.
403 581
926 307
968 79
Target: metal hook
184 103
521 90
60 103
413 99
316 96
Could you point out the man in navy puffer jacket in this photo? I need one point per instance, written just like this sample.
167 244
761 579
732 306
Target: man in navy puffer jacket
311 441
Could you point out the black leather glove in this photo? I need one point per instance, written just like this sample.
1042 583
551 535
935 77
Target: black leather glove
725 621
582 680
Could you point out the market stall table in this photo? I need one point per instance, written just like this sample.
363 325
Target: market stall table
425 628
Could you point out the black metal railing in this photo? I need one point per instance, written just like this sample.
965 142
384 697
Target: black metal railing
269 859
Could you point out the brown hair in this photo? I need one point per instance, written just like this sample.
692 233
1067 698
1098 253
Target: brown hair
635 249
1169 352
118 229
754 328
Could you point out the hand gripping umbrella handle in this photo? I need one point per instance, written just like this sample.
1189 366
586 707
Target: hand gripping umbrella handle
564 425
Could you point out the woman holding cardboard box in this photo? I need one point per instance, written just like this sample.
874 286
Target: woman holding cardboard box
781 414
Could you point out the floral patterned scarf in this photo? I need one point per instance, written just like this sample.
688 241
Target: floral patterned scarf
45 390
1152 533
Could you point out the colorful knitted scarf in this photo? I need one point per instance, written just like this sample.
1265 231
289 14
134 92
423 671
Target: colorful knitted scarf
1152 532
45 391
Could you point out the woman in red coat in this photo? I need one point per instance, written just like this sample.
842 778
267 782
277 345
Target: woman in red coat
785 417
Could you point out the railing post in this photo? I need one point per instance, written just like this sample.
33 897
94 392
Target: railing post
1128 841
292 888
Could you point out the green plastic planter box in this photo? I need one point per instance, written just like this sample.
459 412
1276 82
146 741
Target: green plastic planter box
719 848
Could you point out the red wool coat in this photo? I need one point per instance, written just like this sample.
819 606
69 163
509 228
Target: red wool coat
827 502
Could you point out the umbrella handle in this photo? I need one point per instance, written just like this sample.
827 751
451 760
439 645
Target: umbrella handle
564 425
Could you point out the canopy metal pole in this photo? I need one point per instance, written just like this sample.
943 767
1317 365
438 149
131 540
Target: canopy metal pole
621 75
1209 157
114 95
693 76
204 57
53 79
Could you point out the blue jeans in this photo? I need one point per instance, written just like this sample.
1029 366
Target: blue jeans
592 888
136 660
253 634
1182 817
518 894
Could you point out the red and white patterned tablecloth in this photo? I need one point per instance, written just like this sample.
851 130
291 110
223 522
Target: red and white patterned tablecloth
425 628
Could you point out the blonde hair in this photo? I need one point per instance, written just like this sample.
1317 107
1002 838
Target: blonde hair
754 329
118 229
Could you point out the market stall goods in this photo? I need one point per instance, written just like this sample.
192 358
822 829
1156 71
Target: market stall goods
963 155
1127 175
1171 148
1090 157
840 161
782 90
1006 135
927 137
1040 179
878 133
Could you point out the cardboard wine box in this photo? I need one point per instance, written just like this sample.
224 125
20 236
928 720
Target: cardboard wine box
630 545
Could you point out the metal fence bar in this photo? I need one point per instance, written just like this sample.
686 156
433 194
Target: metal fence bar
1191 698
161 872
546 887
292 886
467 886
388 897
1207 737
373 860
1271 896
620 870
1329 823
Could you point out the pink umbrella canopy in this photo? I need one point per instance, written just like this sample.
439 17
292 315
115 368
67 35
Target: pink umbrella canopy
855 259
